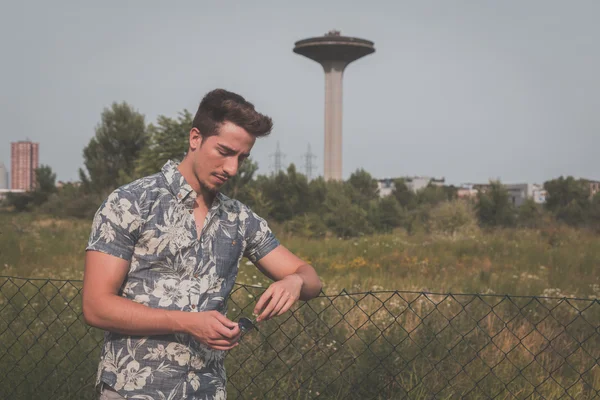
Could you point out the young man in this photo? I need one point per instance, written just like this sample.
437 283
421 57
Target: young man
163 257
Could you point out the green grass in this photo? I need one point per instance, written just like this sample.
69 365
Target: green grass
46 350
556 261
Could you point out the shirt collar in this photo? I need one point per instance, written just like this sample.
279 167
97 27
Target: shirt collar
182 190
176 182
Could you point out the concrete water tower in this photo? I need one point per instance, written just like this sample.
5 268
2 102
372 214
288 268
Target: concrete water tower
334 52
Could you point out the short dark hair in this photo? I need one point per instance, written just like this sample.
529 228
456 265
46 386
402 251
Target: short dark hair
219 106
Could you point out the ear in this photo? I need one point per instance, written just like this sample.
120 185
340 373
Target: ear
195 139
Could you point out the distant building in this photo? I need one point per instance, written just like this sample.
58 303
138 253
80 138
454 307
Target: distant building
520 192
481 187
414 183
539 194
24 162
61 184
466 191
517 193
3 177
594 187
4 192
385 186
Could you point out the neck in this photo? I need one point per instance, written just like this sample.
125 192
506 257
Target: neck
204 197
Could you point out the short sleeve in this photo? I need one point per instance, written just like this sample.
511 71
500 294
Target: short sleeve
260 240
116 226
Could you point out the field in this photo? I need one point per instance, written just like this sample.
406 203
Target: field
359 345
554 262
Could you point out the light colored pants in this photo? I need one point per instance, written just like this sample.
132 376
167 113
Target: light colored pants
108 393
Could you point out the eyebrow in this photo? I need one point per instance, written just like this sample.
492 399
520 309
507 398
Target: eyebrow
229 149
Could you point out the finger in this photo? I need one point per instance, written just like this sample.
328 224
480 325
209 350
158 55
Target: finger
282 302
264 307
225 332
237 337
221 342
263 300
224 348
269 308
225 321
287 306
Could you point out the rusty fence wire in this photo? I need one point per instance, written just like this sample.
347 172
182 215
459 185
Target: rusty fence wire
371 345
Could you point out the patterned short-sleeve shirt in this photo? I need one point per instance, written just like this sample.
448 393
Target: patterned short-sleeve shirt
150 222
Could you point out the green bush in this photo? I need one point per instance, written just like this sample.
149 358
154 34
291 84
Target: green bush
308 225
453 218
72 201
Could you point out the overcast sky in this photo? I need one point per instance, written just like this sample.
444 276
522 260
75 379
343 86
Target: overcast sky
467 90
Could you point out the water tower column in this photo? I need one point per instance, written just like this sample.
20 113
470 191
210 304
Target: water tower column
334 52
334 71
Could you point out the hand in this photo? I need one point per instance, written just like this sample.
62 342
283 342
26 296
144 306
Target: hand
279 297
213 329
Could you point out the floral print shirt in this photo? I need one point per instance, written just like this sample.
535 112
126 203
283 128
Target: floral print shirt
150 222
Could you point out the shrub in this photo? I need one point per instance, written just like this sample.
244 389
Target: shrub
452 218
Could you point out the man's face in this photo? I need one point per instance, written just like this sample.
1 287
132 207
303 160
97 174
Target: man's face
218 158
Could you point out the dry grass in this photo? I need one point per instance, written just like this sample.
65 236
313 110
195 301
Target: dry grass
515 343
558 262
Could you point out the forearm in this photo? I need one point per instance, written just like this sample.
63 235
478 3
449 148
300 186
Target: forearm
311 284
118 314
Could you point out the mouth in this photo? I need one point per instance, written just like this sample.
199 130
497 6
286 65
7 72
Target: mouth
220 179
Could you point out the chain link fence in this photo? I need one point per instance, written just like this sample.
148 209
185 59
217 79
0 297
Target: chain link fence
371 345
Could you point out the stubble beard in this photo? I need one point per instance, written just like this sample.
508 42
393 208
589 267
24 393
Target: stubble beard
207 188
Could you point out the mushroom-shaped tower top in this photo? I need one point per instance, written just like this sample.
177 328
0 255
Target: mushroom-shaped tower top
334 47
334 52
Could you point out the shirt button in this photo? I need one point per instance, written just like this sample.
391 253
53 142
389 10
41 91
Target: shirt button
195 275
191 211
193 306
179 196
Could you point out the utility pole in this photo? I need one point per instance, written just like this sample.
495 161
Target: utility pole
308 163
278 156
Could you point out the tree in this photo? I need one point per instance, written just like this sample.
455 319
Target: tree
317 193
594 213
567 199
386 214
167 140
404 195
529 214
44 187
343 217
19 201
45 184
72 201
257 201
452 218
309 225
288 193
493 206
433 195
110 156
365 188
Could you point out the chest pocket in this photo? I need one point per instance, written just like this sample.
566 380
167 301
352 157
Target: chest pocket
228 249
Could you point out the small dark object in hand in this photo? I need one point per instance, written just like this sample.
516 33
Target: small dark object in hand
246 324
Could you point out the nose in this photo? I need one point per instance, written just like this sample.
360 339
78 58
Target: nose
231 166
